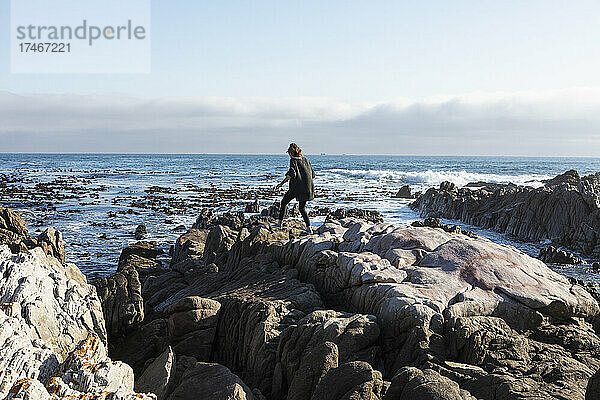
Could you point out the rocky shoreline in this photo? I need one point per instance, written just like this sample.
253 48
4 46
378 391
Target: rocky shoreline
564 211
359 310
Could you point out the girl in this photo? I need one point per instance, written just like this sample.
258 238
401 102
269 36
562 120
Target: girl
300 175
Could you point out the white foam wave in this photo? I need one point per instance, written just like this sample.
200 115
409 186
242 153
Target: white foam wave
434 178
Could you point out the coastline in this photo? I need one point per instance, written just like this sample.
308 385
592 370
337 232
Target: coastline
245 310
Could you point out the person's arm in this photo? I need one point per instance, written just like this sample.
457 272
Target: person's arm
283 182
291 173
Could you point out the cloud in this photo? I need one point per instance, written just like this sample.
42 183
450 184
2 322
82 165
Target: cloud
529 123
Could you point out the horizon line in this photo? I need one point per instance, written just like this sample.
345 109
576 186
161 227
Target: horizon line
283 154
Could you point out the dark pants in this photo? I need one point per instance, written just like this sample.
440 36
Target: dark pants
287 197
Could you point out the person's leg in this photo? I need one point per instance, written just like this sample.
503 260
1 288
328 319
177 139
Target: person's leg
302 206
287 197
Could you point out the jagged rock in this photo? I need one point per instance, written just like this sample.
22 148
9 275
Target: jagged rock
204 220
50 314
365 215
273 211
570 177
189 246
404 193
89 370
219 241
214 381
192 326
141 257
140 232
122 302
354 335
413 384
448 186
158 378
12 226
58 303
566 210
352 380
480 314
317 362
436 223
551 254
208 219
51 241
252 208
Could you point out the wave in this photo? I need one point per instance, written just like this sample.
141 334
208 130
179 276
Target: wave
434 178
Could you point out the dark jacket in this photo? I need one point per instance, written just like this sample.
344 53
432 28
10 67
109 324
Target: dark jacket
301 182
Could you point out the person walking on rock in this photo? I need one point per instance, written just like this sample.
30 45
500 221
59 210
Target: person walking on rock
300 175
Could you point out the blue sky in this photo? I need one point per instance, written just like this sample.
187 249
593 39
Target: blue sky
462 76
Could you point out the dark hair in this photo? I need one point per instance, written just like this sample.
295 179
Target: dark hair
294 150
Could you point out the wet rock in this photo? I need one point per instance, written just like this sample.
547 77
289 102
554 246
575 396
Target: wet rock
404 193
570 177
252 207
551 254
209 219
357 213
292 211
214 381
158 378
436 223
140 232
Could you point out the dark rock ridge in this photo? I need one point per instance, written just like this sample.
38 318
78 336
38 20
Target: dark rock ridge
360 310
552 255
404 193
566 210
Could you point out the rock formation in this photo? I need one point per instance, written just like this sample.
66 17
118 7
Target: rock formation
14 233
551 254
361 310
566 210
52 334
404 193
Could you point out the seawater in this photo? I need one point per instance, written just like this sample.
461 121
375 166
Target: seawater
112 184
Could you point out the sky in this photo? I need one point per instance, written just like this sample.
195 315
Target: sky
376 77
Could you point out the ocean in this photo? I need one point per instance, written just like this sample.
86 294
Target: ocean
97 200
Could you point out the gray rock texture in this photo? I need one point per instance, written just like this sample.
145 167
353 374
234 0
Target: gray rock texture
365 310
52 335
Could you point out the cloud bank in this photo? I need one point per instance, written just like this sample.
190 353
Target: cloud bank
560 122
